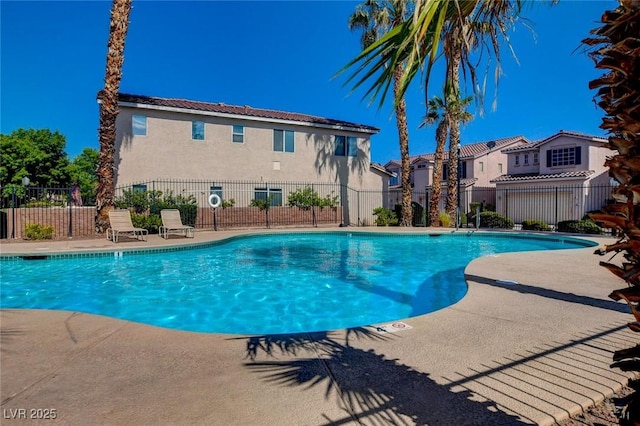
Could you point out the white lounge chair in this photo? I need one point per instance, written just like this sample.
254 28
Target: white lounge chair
120 223
171 221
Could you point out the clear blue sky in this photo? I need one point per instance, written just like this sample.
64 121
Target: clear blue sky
276 55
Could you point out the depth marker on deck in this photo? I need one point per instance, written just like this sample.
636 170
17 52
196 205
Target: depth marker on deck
393 327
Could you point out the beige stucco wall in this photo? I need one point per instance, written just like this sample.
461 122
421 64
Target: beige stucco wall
523 168
168 152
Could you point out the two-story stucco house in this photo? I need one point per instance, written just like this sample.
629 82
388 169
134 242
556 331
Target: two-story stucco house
480 163
178 139
558 178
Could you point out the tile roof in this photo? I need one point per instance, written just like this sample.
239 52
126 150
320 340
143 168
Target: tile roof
537 144
535 176
475 149
245 110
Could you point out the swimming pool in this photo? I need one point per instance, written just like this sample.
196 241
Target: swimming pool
268 283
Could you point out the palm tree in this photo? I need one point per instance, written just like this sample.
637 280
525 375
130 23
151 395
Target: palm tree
105 194
436 114
443 112
416 42
374 18
616 44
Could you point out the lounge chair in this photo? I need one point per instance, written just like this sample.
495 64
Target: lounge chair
171 221
120 223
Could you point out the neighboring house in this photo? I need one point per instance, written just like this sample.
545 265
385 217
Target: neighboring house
177 139
479 164
558 178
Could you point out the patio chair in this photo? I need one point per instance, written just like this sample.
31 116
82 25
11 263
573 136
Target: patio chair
171 221
120 223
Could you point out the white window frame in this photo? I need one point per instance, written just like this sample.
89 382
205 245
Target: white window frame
235 134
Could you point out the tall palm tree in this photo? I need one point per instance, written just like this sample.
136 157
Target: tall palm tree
105 194
457 115
616 45
436 114
374 18
441 111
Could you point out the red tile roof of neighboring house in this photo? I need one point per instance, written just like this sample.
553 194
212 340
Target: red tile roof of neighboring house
475 149
535 176
245 110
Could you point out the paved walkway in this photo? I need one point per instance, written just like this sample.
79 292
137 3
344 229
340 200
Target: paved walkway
527 353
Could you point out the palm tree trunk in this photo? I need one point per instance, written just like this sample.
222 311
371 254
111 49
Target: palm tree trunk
454 129
105 194
441 143
403 137
452 181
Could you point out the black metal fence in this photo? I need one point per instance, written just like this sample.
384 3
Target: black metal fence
277 204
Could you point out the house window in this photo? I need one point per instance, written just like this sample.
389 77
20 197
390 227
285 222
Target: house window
517 160
394 179
238 134
139 125
535 158
340 146
283 141
138 188
481 164
272 194
499 167
215 190
352 146
526 159
563 157
422 166
462 170
197 130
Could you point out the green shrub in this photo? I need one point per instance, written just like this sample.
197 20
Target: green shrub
495 220
306 198
385 216
35 231
153 202
151 222
535 225
225 204
263 204
579 227
445 219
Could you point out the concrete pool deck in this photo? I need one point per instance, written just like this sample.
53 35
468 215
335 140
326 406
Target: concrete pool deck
531 343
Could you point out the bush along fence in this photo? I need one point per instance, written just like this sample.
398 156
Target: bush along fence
58 213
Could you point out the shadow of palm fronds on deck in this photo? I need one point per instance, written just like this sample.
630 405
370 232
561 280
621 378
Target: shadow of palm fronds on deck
366 385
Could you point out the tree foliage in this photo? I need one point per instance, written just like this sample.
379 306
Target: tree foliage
82 170
36 154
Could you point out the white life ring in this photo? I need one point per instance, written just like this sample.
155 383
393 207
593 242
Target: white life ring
214 200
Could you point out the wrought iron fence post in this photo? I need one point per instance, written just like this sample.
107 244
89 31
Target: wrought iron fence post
556 207
13 212
313 208
70 202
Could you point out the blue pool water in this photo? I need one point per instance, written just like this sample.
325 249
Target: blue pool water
266 284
